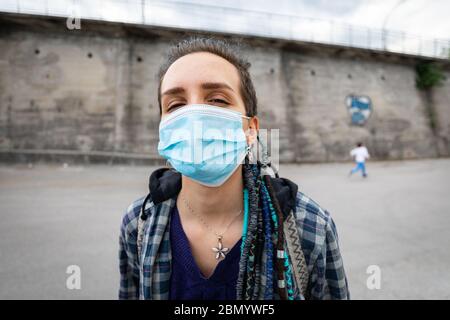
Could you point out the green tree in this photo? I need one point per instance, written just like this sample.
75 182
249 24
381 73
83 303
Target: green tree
429 75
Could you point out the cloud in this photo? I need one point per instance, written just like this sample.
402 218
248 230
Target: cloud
421 17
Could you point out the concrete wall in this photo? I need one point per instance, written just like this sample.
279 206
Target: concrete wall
93 91
67 91
440 97
318 83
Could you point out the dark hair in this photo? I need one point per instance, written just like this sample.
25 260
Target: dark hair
359 144
222 48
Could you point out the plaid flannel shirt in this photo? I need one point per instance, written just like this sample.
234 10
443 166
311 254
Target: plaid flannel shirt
149 276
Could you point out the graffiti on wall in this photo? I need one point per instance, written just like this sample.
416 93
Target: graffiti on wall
360 108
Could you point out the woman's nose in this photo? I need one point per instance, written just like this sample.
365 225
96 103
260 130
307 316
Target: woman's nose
195 98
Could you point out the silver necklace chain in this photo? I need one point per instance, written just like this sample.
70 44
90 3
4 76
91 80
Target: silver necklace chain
218 235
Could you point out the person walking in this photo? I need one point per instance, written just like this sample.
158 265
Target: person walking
360 154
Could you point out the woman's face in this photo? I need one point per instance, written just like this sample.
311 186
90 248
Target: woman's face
203 78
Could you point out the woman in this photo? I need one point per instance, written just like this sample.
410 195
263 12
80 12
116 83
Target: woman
218 224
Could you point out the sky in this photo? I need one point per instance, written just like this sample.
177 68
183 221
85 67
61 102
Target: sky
427 18
422 21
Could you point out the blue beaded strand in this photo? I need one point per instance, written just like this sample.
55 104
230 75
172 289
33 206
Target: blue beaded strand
268 294
245 225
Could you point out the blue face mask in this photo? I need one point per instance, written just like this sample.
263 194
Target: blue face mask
205 143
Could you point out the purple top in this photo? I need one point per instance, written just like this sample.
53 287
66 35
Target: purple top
187 282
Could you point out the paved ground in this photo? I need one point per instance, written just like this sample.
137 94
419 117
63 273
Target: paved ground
55 216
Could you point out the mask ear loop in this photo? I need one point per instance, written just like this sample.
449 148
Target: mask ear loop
249 154
168 165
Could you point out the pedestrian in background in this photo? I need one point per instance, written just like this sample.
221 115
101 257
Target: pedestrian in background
360 154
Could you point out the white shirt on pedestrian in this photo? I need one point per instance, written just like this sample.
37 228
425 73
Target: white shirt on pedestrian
360 154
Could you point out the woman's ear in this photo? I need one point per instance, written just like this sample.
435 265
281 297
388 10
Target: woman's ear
252 131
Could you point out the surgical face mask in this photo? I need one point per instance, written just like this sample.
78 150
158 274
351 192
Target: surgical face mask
203 142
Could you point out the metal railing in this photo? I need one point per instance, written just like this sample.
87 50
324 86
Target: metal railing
194 16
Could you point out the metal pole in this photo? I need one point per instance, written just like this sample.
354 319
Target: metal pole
448 50
291 29
420 47
403 41
143 11
435 47
384 32
350 35
331 32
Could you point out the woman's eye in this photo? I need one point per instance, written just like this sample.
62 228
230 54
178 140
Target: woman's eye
220 101
174 106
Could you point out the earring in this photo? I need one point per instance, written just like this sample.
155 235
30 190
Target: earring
249 152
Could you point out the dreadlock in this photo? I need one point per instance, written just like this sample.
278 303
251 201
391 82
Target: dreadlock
263 251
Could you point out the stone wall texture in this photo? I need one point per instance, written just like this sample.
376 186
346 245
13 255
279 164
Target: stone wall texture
94 92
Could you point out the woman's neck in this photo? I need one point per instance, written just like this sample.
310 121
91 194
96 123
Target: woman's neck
216 203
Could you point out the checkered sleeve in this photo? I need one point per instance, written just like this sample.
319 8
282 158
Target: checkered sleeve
319 240
128 265
329 281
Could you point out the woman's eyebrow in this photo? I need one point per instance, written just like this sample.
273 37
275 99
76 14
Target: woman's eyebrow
175 90
204 85
216 85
